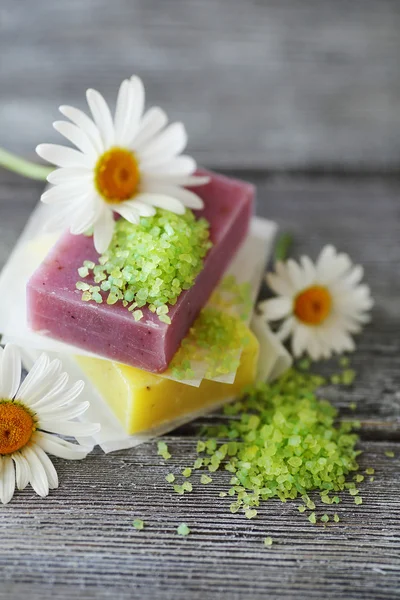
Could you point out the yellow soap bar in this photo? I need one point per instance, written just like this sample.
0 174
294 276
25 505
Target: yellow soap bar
143 401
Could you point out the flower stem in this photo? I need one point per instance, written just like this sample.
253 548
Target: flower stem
283 246
23 167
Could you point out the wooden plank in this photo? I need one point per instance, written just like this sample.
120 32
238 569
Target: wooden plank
274 84
82 538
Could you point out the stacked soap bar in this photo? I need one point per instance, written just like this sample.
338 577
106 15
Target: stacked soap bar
143 401
55 307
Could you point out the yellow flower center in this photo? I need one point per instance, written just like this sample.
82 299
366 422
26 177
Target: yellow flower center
16 426
313 305
117 175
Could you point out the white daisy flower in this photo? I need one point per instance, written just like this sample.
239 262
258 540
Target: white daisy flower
128 164
30 414
320 305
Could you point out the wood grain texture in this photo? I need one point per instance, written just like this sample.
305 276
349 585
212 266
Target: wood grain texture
80 542
260 83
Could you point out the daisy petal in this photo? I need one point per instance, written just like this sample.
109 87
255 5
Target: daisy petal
128 212
134 115
188 198
74 428
68 175
295 275
48 466
63 156
22 472
88 215
61 448
171 142
76 136
7 479
176 180
39 380
278 285
178 166
62 398
152 123
59 385
286 329
275 308
162 201
10 373
301 336
101 116
64 193
103 230
38 477
85 123
69 412
33 377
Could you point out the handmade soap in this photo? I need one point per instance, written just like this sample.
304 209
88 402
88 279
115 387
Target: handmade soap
143 401
55 307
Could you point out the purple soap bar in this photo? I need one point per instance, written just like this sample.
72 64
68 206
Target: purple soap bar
55 307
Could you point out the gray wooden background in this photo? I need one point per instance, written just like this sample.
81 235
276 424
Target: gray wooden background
309 87
259 83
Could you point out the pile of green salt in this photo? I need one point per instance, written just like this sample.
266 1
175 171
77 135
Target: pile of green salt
281 441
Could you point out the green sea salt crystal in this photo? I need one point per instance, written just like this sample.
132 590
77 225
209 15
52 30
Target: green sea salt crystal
187 472
222 494
370 471
268 541
138 524
358 500
216 338
162 450
372 479
183 529
312 518
83 272
179 489
198 463
344 361
326 499
336 518
162 447
250 514
301 508
325 518
170 478
353 406
348 377
151 263
205 479
389 453
187 486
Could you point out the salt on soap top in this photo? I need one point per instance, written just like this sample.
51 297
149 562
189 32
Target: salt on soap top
148 264
55 306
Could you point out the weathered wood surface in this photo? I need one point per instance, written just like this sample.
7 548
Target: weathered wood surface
259 83
80 542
